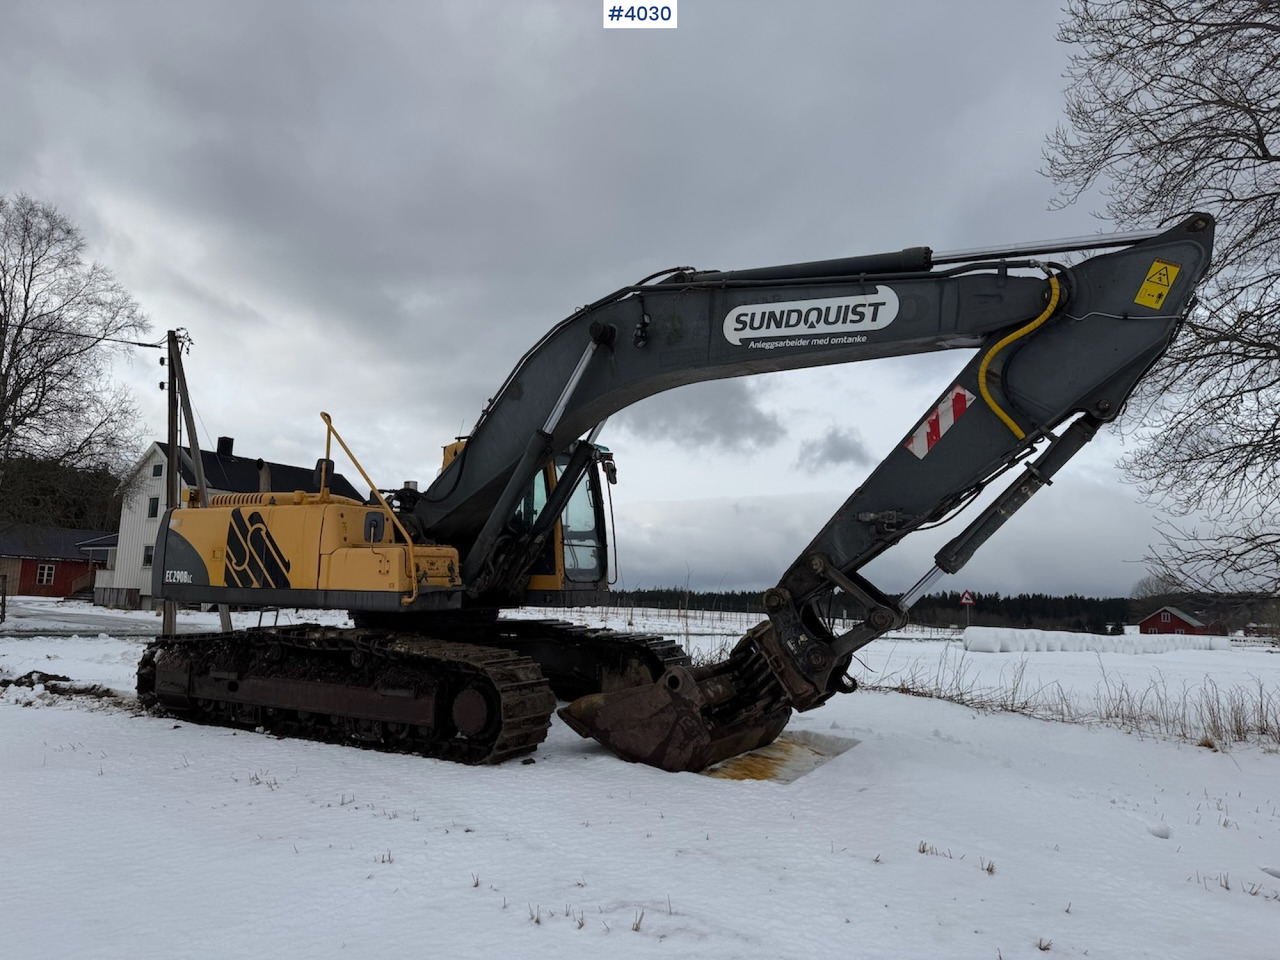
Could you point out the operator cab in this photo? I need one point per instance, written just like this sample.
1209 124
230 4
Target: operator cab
573 568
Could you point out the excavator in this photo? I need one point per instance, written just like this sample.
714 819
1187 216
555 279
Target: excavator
516 516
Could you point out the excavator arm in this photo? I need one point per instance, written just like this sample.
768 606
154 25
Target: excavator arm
1059 349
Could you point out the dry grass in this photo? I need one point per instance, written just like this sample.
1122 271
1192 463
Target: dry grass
1207 714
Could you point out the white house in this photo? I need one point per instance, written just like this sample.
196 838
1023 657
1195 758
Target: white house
126 581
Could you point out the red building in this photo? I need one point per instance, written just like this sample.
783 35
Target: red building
49 561
1173 620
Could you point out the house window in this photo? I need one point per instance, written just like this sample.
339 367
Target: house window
148 554
153 510
157 469
1180 631
1164 614
44 574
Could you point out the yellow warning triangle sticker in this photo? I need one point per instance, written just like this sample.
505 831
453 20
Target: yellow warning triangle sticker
1156 286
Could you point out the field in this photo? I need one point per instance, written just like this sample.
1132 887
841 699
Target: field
982 828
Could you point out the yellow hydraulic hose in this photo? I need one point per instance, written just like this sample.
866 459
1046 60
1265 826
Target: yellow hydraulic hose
1054 291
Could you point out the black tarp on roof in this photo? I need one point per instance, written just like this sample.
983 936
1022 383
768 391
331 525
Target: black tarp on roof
237 474
32 542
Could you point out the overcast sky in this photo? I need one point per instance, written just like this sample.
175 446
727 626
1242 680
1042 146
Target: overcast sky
375 208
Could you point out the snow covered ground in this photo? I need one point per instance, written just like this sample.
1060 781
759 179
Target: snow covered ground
943 831
1005 640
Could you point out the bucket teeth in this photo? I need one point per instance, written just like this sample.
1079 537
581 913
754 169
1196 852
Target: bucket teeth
673 723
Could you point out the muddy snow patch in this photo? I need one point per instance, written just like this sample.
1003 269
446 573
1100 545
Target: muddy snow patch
36 688
786 760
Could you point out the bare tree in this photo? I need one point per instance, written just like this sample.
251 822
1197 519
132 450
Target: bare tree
1174 105
1157 585
1157 589
60 320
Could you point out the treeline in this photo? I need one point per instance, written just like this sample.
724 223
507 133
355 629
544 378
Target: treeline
52 494
679 598
1040 611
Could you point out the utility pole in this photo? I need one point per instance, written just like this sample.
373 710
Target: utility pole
169 619
178 395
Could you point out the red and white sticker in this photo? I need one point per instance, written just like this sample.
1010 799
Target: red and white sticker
940 421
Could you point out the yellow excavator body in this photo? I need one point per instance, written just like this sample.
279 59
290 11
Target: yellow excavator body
303 542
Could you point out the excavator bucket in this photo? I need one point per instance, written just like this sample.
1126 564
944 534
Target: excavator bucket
687 720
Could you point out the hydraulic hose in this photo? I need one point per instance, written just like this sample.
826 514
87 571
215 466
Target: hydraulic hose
1054 295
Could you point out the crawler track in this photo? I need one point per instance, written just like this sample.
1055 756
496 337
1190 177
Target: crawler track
580 660
405 692
460 702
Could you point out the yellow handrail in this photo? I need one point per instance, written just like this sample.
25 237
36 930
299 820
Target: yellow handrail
410 567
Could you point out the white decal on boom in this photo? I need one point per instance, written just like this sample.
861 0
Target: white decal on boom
811 318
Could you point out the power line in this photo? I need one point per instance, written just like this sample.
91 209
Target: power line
94 336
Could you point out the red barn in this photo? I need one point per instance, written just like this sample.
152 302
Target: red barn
1173 620
50 561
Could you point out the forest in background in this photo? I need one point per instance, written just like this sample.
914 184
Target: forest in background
51 494
1041 611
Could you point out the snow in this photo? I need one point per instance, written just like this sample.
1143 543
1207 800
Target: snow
127 835
30 615
1006 640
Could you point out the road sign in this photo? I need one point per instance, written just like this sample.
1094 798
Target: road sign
966 599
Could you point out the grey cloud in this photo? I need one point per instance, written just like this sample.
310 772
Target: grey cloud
377 208
1081 535
1078 536
362 160
731 544
722 413
411 172
837 446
